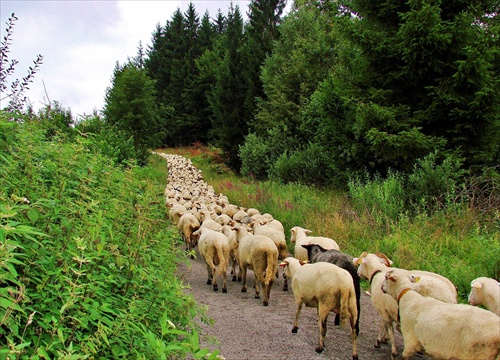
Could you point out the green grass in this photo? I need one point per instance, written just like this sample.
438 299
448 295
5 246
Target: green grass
456 242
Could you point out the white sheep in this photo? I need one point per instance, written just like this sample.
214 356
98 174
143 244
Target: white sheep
486 292
233 250
207 221
444 331
373 267
328 288
176 212
277 236
299 237
187 225
214 249
223 219
260 254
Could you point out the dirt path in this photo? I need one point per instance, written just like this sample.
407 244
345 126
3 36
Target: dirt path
244 329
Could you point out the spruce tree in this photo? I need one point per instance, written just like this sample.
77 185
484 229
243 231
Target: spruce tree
227 95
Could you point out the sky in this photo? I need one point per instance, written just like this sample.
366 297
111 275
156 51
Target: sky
81 41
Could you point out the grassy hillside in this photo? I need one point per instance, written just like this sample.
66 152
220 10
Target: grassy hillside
460 241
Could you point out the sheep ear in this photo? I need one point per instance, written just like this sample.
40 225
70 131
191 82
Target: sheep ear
283 264
307 231
392 277
388 262
476 284
355 261
303 262
415 278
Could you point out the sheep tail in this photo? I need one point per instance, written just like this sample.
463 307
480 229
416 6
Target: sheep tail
270 271
344 307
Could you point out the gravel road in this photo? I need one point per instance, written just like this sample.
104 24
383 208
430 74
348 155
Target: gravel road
244 329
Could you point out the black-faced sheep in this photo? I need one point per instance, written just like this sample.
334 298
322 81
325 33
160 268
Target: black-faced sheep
442 330
316 253
326 287
299 237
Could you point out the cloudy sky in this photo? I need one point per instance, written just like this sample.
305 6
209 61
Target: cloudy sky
81 41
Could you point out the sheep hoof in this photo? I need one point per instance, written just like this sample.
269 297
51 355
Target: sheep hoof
243 290
234 278
224 291
265 303
216 288
209 282
377 344
285 288
337 320
355 357
295 329
319 350
257 297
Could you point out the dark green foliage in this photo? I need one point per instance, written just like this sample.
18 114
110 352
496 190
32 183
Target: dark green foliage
87 269
310 166
227 96
108 140
130 107
254 155
428 82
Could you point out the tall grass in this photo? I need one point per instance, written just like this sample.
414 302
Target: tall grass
453 240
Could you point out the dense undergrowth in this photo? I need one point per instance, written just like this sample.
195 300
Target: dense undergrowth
87 261
455 231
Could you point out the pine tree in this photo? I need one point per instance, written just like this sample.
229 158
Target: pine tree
227 96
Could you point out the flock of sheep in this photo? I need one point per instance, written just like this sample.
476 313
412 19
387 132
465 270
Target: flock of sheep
423 305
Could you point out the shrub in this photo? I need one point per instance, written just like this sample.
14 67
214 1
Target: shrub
431 185
254 156
308 167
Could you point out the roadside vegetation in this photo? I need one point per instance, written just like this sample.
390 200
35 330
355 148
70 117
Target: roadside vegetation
87 259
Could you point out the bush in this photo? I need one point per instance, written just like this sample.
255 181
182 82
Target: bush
433 186
109 140
254 156
310 166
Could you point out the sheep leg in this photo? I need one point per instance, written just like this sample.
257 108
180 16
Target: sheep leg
259 280
209 272
390 333
297 314
354 336
223 275
285 282
243 272
214 278
382 334
233 269
322 318
411 345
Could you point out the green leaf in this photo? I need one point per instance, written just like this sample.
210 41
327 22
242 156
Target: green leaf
33 215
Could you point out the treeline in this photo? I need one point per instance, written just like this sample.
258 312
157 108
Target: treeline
331 91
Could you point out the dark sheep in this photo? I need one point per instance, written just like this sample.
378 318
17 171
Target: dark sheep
316 253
